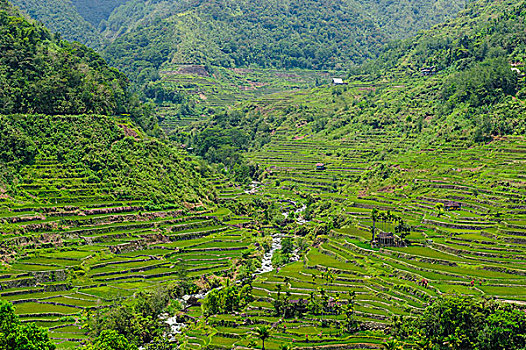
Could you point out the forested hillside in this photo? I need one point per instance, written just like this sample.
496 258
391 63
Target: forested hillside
96 11
51 94
485 30
75 20
61 16
313 34
43 74
462 81
305 34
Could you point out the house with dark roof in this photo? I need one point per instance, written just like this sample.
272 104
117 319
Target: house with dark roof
386 239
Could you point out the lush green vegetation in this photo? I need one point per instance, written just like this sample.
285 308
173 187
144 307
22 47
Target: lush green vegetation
466 323
62 17
475 96
148 39
304 34
124 163
97 11
43 74
15 335
335 217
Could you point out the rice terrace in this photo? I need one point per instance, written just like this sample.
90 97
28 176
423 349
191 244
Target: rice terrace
305 174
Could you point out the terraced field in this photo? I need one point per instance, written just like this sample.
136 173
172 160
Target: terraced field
478 249
222 87
62 260
80 249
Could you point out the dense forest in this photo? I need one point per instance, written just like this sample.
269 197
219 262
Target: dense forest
96 11
41 73
244 33
77 20
239 33
62 17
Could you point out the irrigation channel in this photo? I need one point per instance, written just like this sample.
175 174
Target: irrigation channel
176 325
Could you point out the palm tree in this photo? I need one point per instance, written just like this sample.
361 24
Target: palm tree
263 333
391 344
286 280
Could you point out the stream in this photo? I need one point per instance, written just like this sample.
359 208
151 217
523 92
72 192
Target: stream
266 266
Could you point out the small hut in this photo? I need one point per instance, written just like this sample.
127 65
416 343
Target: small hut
338 81
320 166
386 239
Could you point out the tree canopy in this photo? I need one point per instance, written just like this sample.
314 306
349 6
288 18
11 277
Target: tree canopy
15 335
457 322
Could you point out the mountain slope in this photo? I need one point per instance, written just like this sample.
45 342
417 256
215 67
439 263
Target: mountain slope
96 11
51 95
298 33
89 158
61 16
486 29
40 73
477 94
75 20
43 74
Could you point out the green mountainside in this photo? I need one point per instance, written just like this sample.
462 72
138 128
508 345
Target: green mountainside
385 213
96 11
474 94
243 49
75 20
64 18
215 53
43 75
312 34
306 34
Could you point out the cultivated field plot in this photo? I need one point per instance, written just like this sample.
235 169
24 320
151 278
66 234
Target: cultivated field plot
467 210
222 87
81 249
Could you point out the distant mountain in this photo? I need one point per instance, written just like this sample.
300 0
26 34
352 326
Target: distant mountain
75 20
315 34
62 16
461 83
96 11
